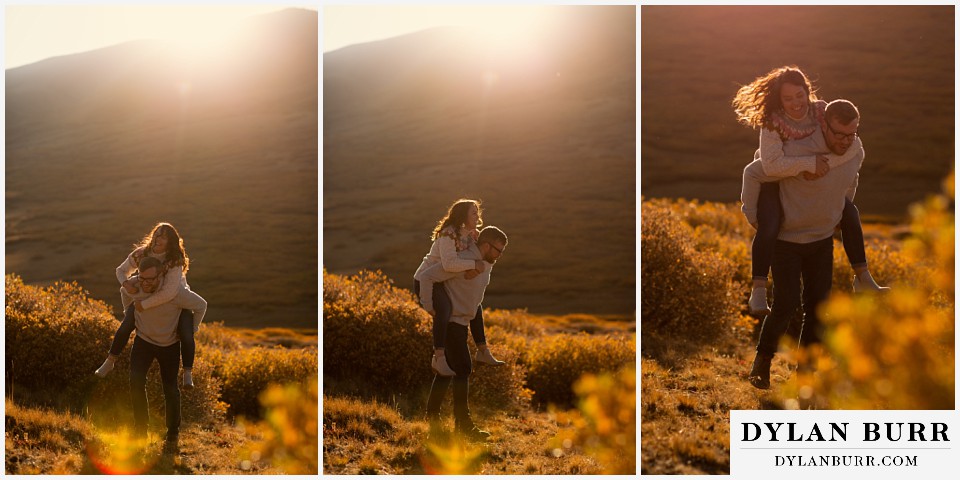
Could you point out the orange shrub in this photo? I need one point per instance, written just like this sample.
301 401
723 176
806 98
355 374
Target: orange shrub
377 341
556 362
247 373
686 292
57 336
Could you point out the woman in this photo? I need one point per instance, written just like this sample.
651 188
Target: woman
455 232
784 106
165 244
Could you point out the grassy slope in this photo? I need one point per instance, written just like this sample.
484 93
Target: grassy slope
895 63
518 445
685 410
44 441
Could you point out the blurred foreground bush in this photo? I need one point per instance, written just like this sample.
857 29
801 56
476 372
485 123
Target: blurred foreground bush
604 424
894 351
289 430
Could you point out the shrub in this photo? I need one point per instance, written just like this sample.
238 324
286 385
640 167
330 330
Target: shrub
377 342
57 336
557 361
894 351
288 430
374 335
605 422
248 372
686 293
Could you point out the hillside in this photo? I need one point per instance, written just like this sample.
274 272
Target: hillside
543 133
895 62
101 145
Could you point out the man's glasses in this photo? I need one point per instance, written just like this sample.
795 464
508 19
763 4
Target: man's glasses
149 279
842 136
499 250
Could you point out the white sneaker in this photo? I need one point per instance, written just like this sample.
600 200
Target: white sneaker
106 368
484 356
758 302
188 378
439 365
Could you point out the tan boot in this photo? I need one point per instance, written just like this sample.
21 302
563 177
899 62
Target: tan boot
439 365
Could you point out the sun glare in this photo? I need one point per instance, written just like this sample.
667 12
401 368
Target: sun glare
513 31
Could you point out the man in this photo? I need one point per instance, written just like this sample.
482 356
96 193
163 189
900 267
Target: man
812 208
157 339
465 296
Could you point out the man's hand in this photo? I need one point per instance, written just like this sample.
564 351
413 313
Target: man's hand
479 267
131 286
470 274
138 306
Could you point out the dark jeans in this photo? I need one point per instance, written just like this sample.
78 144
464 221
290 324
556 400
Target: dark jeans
769 216
458 357
793 263
443 308
141 357
188 345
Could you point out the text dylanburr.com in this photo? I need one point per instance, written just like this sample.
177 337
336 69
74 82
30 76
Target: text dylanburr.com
805 444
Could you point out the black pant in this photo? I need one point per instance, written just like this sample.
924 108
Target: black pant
188 347
793 263
458 357
442 310
141 357
769 216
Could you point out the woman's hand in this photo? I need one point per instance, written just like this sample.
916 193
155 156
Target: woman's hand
474 234
823 166
479 267
470 274
131 286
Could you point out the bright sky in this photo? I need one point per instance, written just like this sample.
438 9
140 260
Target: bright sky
36 32
347 25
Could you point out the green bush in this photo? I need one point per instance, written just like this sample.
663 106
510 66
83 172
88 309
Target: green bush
686 293
247 373
556 362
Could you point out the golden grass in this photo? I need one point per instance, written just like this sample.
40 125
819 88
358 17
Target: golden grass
890 352
400 446
43 441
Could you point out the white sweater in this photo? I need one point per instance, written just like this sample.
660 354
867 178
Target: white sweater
811 208
465 295
171 279
788 166
444 252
